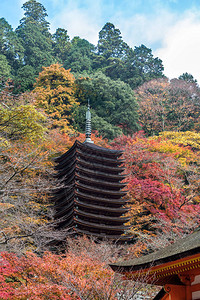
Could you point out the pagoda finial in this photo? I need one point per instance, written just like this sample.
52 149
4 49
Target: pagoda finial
88 125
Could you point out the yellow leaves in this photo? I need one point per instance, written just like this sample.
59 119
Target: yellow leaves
187 138
4 143
36 221
54 92
21 122
179 144
5 206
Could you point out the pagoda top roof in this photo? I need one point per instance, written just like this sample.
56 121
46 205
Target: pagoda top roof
95 147
182 248
90 146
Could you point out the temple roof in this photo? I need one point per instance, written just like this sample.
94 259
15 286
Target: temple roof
111 210
184 247
108 153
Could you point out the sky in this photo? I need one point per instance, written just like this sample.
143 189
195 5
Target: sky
171 28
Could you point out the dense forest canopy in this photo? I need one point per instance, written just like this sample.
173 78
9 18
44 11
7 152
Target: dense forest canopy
107 72
46 81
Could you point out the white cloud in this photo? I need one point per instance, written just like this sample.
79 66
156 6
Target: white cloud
145 29
79 20
181 47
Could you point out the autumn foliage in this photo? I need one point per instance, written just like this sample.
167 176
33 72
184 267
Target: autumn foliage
162 163
80 273
168 106
54 93
28 146
162 175
163 182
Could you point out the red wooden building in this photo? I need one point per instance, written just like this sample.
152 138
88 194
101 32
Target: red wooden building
175 267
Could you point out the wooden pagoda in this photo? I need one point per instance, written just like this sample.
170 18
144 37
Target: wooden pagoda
175 267
91 199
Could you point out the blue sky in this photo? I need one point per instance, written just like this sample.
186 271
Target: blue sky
171 28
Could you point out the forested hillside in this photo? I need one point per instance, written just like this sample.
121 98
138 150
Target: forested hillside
46 81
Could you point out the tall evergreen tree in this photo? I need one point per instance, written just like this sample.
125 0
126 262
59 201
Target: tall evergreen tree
35 36
10 45
188 77
140 66
112 100
35 13
110 42
117 60
146 63
61 45
81 55
5 69
24 79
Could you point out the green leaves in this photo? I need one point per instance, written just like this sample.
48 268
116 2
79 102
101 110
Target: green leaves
35 13
10 45
110 42
5 68
35 36
114 101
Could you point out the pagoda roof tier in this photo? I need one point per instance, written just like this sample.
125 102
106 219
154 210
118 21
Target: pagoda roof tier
94 165
116 185
100 158
67 169
66 223
64 191
96 173
102 235
89 156
100 225
61 174
66 154
114 210
64 173
66 160
100 182
100 150
63 196
98 199
67 179
64 201
65 214
92 148
104 191
101 217
65 209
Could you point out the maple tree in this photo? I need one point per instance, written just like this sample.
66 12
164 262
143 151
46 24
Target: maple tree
54 93
168 105
152 109
82 272
158 192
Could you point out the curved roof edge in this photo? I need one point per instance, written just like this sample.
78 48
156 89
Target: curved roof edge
183 247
